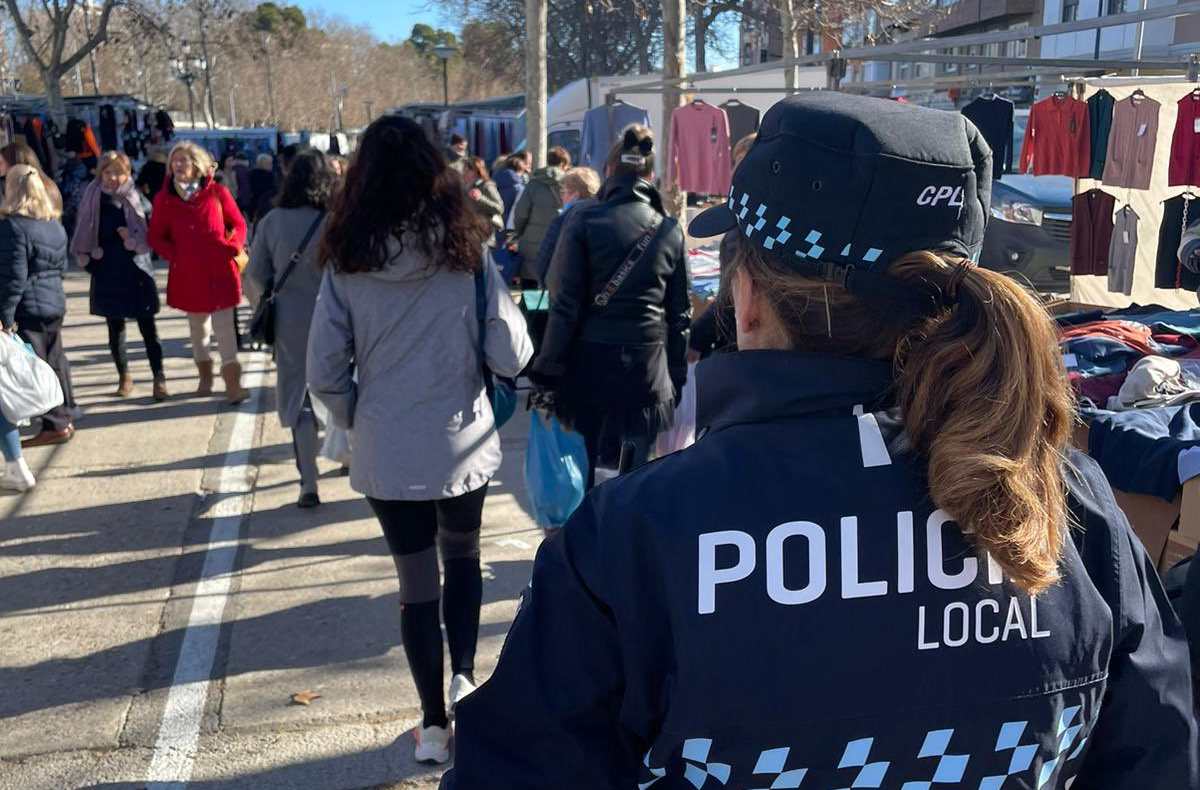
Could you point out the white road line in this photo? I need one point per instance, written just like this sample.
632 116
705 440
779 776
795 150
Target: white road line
179 732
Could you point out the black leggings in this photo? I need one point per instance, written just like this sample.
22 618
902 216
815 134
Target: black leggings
415 531
116 344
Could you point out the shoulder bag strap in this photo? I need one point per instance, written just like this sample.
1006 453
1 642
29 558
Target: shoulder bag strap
635 256
298 254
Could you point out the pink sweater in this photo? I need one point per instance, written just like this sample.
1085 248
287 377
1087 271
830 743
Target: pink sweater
699 153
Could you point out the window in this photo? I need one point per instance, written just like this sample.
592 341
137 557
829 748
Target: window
1116 7
1070 11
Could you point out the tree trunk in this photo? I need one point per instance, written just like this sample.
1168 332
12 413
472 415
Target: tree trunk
210 110
54 99
791 41
535 80
270 81
674 69
87 28
701 41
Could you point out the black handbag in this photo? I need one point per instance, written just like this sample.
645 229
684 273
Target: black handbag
262 323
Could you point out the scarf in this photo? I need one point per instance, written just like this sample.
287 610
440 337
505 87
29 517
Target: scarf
87 221
187 189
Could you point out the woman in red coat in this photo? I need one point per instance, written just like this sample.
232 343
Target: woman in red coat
198 229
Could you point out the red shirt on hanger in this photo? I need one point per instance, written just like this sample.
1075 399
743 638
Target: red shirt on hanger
1185 143
1057 138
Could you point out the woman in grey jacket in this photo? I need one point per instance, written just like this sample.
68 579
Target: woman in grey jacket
397 307
294 227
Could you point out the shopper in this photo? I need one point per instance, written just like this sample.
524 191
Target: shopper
197 227
397 306
456 153
511 179
110 242
293 229
880 565
18 153
153 174
481 190
579 190
263 188
539 204
33 259
615 345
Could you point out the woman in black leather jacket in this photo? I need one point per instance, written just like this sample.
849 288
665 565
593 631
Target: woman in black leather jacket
616 366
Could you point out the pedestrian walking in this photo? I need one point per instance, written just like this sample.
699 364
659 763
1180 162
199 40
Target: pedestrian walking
17 474
540 202
398 308
615 344
511 179
456 153
284 263
263 188
33 259
481 190
579 188
880 565
153 174
18 153
197 228
110 243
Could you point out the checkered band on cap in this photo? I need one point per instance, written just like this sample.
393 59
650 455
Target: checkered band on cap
786 236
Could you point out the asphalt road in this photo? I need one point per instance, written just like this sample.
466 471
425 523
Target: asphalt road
162 598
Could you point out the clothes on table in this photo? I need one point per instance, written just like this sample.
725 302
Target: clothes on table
1057 138
743 120
1178 213
699 154
1156 381
1139 449
1122 253
994 118
1185 143
1100 119
1131 143
1091 231
602 126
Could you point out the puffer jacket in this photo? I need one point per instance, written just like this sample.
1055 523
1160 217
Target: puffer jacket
652 304
33 258
537 207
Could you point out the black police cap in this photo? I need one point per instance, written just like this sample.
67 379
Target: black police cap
837 182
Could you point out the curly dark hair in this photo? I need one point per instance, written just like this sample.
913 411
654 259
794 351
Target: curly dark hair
399 182
309 182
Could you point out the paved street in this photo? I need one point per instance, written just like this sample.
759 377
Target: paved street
161 597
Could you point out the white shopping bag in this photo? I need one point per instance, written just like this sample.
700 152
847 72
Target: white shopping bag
28 386
336 446
683 433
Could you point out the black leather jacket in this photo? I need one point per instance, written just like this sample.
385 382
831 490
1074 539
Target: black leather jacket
652 304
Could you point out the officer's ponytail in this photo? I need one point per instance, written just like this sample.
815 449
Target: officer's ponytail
979 381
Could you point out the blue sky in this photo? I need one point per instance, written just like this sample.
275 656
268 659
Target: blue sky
391 20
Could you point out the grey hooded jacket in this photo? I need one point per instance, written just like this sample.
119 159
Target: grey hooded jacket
395 356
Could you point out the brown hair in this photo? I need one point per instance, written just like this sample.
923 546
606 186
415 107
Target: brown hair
558 157
476 166
633 154
981 386
583 181
114 159
742 148
18 153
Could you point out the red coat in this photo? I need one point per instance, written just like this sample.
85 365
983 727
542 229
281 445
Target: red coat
1185 144
1057 138
199 238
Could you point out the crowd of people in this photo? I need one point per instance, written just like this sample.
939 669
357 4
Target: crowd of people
888 380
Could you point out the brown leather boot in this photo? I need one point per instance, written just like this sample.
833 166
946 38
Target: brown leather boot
160 389
206 378
232 374
125 387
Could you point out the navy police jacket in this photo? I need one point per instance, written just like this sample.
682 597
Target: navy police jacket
782 606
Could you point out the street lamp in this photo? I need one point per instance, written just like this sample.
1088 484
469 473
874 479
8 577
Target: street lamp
186 66
444 52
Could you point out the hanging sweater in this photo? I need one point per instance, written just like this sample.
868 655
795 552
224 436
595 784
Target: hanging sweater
700 155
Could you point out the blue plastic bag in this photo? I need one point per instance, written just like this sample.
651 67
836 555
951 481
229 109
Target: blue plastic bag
555 471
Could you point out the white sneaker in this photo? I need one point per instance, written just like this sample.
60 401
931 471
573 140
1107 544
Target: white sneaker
433 745
460 687
17 476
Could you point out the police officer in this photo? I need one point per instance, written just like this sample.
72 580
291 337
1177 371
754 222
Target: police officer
867 572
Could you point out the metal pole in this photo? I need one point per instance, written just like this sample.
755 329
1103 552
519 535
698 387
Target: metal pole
191 103
1139 37
445 83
